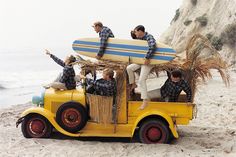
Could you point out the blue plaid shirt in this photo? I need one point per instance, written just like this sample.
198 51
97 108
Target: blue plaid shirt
104 34
151 43
104 87
173 89
68 75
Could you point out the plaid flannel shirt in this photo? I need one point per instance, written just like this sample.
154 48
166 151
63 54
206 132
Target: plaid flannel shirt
173 89
67 75
104 87
104 34
151 44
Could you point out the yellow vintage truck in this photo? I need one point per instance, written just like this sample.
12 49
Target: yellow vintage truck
76 113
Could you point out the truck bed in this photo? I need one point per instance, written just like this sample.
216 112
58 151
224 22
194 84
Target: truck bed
180 112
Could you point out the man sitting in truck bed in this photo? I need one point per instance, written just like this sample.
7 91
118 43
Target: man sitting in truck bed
172 88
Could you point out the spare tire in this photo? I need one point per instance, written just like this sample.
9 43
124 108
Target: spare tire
72 116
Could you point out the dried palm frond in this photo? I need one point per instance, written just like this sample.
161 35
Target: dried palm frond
102 64
201 57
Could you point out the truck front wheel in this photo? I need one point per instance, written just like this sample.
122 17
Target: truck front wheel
36 126
154 131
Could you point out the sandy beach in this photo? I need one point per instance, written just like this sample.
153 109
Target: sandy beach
29 27
212 133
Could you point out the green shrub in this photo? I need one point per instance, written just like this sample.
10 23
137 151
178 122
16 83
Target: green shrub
202 20
177 13
209 36
216 43
194 2
228 35
187 22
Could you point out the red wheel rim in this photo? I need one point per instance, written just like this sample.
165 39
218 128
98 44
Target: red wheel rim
154 133
36 127
71 117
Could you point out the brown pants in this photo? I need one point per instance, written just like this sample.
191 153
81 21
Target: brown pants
58 85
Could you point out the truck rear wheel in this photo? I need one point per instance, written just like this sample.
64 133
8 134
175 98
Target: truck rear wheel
36 126
154 131
72 116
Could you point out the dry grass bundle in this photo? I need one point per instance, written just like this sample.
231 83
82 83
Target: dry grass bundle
100 108
201 57
86 64
120 78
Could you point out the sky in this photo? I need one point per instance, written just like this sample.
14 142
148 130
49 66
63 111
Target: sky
55 24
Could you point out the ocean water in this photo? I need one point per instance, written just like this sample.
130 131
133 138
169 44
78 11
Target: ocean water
23 73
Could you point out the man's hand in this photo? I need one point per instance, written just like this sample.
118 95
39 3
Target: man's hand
82 76
98 57
146 61
47 52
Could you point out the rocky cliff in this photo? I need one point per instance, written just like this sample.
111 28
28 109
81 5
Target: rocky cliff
215 19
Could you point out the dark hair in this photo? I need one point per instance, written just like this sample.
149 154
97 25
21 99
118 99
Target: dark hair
87 71
72 59
133 35
140 28
176 73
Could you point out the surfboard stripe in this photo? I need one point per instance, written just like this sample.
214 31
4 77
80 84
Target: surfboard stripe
125 50
144 48
120 53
